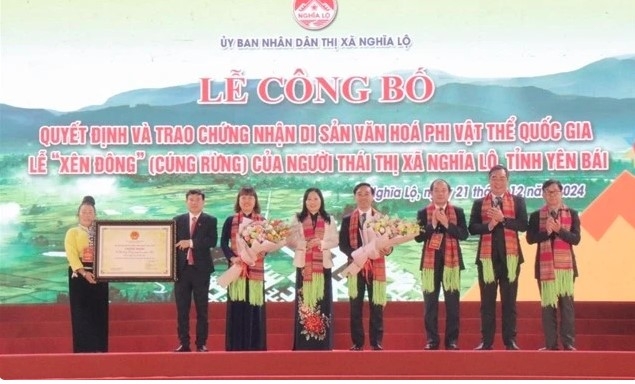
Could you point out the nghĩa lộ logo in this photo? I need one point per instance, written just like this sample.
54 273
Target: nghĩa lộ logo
314 14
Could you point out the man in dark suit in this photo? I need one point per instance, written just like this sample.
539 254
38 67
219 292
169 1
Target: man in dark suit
196 233
497 218
556 229
441 263
373 275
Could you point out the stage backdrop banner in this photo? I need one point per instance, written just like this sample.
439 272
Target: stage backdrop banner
136 103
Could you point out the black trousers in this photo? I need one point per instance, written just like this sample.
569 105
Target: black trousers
193 283
567 323
376 320
431 313
89 314
508 292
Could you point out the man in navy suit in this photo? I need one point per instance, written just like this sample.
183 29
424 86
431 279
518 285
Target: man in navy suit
196 233
371 277
498 218
555 227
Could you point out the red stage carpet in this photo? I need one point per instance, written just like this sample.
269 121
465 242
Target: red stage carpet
35 343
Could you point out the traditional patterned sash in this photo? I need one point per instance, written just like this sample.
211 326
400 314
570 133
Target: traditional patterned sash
511 240
451 267
88 253
556 261
255 274
372 268
313 271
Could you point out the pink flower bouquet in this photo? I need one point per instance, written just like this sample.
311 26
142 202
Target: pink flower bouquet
381 232
254 239
260 237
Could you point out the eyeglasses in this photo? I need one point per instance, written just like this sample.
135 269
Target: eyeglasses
552 191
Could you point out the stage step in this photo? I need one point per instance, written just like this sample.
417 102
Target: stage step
284 325
152 327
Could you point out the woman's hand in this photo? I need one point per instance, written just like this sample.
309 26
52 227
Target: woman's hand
315 242
89 276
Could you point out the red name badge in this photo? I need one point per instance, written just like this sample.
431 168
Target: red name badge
435 241
88 255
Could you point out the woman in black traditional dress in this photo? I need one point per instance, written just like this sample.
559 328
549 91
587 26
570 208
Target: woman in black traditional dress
246 326
313 234
88 298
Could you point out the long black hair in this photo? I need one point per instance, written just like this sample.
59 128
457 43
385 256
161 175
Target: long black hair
321 212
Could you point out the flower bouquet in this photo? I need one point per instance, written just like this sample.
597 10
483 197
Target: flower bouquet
259 237
389 232
253 240
381 232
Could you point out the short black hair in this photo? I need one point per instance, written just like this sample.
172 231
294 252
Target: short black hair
247 190
195 192
440 181
550 182
498 167
364 184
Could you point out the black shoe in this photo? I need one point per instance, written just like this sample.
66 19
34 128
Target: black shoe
548 349
570 348
377 347
512 346
356 347
483 347
182 348
202 348
452 347
431 347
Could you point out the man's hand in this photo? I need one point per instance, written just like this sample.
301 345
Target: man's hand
183 244
439 215
496 214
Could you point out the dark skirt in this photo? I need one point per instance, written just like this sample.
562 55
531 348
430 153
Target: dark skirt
245 326
305 339
89 314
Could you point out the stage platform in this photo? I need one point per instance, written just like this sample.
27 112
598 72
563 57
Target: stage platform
324 365
35 343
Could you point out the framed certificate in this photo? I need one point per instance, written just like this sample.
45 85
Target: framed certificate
135 250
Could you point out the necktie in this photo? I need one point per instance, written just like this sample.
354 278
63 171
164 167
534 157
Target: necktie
499 202
190 256
362 220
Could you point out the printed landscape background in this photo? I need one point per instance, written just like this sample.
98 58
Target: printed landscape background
127 63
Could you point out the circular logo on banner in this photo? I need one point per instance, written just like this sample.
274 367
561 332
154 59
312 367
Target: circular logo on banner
314 14
134 235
